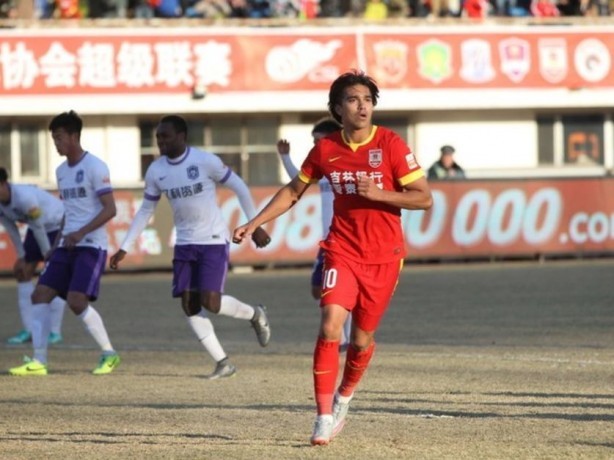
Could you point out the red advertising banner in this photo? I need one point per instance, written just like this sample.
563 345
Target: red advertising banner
469 219
136 61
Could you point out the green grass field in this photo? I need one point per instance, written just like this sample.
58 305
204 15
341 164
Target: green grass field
493 361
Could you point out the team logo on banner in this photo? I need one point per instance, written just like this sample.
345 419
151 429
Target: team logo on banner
375 158
515 58
435 61
192 172
553 65
390 61
592 60
476 61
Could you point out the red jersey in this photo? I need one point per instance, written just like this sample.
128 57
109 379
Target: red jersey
363 230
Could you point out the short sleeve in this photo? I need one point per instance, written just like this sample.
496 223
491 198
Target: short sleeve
405 166
152 191
101 179
311 172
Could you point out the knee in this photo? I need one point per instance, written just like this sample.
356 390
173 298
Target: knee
330 331
362 340
213 307
41 295
212 301
77 304
190 309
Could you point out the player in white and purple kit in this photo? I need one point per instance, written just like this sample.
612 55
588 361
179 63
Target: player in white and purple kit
188 177
321 128
74 269
42 213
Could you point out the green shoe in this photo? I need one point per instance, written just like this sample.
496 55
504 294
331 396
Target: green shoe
55 338
107 364
21 338
30 367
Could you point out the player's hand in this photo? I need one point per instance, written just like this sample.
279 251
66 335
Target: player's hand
116 259
261 237
283 147
365 187
241 233
19 268
72 239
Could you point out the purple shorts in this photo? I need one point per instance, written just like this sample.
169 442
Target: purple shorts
316 272
33 252
200 267
78 270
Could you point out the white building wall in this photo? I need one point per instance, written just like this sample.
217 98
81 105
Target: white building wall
483 141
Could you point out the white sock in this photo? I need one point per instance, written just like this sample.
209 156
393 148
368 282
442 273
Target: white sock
235 308
203 328
39 322
94 325
57 313
24 294
347 330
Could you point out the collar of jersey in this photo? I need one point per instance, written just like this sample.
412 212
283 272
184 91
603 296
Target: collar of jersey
354 145
180 158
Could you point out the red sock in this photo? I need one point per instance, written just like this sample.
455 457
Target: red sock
356 364
325 370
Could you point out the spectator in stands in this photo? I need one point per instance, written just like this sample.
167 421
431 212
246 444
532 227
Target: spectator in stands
475 9
216 9
418 8
446 167
68 9
375 10
142 9
544 9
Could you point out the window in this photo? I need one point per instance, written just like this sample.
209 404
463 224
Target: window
5 147
22 150
246 145
583 139
545 140
29 151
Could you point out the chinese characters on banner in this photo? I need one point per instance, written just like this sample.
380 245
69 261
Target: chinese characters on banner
113 61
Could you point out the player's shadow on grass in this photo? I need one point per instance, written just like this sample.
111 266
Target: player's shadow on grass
108 437
582 410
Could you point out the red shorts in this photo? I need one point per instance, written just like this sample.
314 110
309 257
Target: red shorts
363 289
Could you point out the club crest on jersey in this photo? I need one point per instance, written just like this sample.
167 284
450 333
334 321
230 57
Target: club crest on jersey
79 177
375 158
192 172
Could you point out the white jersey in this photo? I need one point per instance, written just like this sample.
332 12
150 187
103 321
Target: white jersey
80 187
40 210
189 183
28 202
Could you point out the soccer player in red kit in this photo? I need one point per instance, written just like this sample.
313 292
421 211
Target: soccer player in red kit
374 175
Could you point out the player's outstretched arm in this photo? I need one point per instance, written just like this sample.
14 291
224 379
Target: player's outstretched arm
141 218
281 202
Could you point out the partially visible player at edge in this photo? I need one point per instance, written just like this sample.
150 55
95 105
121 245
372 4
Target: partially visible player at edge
321 128
74 268
42 213
374 175
188 177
